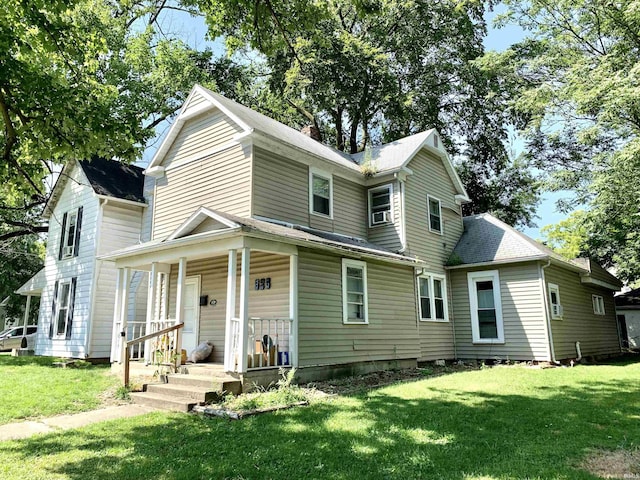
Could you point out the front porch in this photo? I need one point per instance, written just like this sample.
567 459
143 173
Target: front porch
239 294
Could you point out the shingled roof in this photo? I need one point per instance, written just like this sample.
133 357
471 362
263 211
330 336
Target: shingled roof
115 179
489 240
629 299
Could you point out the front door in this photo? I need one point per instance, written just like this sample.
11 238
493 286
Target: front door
191 314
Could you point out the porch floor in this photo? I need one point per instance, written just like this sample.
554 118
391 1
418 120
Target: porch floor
140 369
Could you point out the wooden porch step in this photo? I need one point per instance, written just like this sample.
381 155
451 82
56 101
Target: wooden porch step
186 392
164 402
217 384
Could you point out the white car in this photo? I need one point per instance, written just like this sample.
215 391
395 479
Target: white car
14 338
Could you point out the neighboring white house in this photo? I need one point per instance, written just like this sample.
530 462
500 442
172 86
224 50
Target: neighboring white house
628 311
95 207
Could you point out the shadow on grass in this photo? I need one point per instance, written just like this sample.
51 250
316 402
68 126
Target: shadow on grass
452 435
38 361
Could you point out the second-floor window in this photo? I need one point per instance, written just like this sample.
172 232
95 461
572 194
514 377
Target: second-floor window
380 209
70 235
320 192
435 214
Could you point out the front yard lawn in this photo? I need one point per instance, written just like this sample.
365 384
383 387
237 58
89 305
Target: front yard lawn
498 423
30 387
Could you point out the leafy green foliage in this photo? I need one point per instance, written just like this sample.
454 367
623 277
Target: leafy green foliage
567 237
369 72
575 88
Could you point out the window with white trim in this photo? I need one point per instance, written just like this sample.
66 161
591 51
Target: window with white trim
70 234
380 205
354 291
435 214
554 301
432 293
64 298
320 193
598 304
486 307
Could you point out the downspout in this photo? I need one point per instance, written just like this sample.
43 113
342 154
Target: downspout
97 264
403 223
547 311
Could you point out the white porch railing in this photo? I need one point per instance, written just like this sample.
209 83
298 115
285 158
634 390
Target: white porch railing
134 330
268 342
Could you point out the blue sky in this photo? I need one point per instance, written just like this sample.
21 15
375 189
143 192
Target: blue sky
193 31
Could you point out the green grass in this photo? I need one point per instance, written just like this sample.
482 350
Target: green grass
500 423
30 387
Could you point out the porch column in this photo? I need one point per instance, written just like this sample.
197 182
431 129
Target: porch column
244 309
293 309
117 310
124 311
151 304
180 287
26 315
229 354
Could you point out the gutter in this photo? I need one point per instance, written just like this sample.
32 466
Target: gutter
547 311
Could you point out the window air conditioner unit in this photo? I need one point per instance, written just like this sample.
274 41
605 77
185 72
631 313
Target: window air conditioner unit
380 217
68 251
557 310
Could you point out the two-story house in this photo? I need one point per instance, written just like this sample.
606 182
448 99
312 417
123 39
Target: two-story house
280 250
95 207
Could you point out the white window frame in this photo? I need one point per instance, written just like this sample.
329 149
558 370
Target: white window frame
432 300
314 172
429 198
552 287
63 335
371 191
346 263
598 304
65 235
472 279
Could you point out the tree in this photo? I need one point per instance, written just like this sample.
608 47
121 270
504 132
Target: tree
568 237
367 72
577 90
84 78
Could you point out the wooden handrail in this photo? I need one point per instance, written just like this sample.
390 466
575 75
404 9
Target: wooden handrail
142 339
155 334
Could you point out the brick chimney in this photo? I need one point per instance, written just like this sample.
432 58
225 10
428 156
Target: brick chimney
312 132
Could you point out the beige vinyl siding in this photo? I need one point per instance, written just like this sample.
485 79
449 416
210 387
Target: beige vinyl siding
199 134
281 192
436 339
387 236
349 208
599 273
431 178
273 303
322 337
195 101
120 227
219 182
523 315
597 334
280 188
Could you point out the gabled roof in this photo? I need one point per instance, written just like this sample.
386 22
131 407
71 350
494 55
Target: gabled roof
488 240
197 218
389 158
108 178
115 179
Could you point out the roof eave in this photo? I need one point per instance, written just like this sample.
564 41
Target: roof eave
505 261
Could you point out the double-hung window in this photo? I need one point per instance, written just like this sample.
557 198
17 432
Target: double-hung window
380 207
354 292
320 193
433 298
554 301
70 234
598 304
62 309
435 214
486 307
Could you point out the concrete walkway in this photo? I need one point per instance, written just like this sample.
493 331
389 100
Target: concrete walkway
18 430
